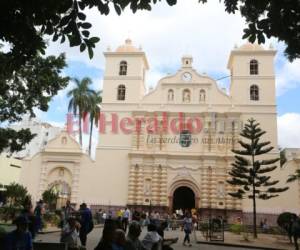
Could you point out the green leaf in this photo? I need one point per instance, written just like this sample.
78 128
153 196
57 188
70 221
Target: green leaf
252 38
117 9
65 20
94 39
86 25
81 5
63 38
261 38
82 47
55 37
81 16
171 2
91 53
86 33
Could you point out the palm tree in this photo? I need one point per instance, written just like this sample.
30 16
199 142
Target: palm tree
80 96
94 111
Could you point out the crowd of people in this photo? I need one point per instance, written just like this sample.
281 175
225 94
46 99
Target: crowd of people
114 236
77 224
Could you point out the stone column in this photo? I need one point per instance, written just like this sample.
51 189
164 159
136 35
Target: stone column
43 179
155 187
163 187
75 182
140 186
131 186
204 188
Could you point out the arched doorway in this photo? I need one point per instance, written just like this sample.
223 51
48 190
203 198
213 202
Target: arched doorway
63 190
183 198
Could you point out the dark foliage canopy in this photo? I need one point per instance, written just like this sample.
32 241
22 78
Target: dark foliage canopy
24 24
23 90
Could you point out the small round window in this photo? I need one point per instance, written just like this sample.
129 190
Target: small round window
185 139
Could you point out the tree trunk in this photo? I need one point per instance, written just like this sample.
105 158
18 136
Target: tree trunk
254 214
80 134
91 133
254 196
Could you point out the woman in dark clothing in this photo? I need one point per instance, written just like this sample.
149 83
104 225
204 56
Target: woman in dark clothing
27 212
107 235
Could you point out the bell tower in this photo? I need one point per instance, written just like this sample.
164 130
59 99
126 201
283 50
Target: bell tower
124 76
252 75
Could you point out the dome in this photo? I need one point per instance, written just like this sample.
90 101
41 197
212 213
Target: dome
251 46
127 47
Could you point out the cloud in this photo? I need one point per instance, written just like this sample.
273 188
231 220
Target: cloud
289 130
166 33
288 77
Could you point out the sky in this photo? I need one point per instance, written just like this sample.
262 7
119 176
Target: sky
166 33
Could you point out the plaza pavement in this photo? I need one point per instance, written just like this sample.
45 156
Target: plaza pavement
264 241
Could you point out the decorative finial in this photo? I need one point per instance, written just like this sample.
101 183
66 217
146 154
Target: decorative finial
271 46
128 41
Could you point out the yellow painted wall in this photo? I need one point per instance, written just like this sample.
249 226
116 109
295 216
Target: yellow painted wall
10 169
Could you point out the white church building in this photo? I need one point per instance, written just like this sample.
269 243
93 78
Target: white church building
146 158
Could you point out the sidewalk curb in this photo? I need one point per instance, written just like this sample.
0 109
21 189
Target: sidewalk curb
237 245
49 232
59 230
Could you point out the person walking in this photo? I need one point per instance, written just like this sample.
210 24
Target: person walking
69 234
86 223
20 238
187 228
125 220
38 213
67 212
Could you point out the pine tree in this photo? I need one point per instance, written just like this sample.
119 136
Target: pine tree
250 174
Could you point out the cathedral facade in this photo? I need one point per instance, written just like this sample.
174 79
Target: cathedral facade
170 147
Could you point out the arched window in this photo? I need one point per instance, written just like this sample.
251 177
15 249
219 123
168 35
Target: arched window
123 68
121 92
186 96
254 93
170 95
202 95
253 67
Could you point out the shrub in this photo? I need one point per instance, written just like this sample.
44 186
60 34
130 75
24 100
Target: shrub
9 213
203 226
16 195
236 228
50 197
52 219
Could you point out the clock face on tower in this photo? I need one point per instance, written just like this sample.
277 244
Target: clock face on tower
186 76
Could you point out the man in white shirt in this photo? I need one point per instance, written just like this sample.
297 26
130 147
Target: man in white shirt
126 218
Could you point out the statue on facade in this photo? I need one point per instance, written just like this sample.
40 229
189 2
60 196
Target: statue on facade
186 96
